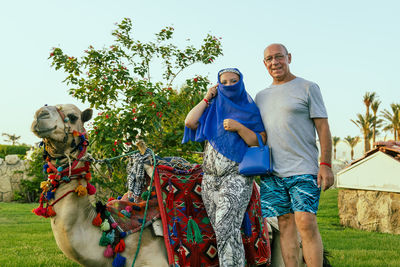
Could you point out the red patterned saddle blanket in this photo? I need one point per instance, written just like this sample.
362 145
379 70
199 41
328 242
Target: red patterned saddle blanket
188 234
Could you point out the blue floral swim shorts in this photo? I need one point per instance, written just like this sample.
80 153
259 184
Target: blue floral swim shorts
280 196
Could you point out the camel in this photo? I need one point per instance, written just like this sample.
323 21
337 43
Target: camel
72 226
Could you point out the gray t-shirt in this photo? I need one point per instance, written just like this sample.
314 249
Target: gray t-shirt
287 111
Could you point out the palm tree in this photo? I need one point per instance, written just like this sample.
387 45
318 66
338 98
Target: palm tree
335 141
393 120
352 142
12 138
377 123
363 123
369 97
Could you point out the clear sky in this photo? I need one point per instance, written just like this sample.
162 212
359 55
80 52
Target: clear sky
347 47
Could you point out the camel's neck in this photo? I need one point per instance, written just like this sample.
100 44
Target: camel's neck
72 226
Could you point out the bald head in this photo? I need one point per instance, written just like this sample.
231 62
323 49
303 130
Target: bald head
277 45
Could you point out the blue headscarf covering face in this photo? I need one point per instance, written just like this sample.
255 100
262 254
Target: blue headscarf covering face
231 102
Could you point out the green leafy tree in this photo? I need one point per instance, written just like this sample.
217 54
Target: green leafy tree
352 142
12 138
335 141
392 119
117 81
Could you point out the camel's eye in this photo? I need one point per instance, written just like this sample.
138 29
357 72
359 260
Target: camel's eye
72 118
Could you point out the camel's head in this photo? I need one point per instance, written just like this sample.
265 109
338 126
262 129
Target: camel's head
56 124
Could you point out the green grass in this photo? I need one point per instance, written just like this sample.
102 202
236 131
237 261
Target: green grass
27 240
350 247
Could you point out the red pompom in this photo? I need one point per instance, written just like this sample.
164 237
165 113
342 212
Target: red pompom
120 247
111 198
97 221
50 211
90 189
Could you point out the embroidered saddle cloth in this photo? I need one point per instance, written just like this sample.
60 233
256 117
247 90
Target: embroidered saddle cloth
188 234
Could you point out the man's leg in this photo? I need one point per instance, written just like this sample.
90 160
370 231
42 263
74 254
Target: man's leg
311 239
288 240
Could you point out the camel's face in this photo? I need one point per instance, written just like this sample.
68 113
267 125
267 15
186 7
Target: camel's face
49 123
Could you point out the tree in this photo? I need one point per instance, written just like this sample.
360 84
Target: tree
363 123
352 142
12 138
132 105
376 123
392 120
368 98
335 141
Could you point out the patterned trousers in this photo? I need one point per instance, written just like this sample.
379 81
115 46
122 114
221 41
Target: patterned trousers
226 198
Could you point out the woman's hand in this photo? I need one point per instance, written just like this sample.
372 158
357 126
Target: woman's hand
232 125
211 93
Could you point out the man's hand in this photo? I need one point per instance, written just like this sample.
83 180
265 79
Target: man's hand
232 125
325 176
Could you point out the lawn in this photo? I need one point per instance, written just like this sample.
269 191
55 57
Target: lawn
350 247
27 240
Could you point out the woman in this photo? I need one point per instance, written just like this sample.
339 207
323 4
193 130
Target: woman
227 118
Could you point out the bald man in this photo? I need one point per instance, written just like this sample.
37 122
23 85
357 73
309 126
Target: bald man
292 110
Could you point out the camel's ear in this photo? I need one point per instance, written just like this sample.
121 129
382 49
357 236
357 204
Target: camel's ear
86 115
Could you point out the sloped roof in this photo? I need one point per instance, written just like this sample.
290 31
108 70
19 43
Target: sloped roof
391 148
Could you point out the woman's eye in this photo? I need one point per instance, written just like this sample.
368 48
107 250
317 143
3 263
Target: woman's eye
223 82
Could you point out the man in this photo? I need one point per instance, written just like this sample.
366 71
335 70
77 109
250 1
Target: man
292 109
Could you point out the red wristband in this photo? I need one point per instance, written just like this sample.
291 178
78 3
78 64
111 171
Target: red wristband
326 164
205 100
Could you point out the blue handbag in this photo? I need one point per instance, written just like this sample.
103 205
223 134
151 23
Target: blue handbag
257 160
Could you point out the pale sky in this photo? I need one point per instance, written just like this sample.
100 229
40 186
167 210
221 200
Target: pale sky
346 47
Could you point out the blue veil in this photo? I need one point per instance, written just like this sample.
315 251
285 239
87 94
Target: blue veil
231 102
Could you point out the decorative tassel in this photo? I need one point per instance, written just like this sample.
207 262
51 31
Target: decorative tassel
45 185
105 226
249 253
126 213
264 250
40 211
145 195
174 231
111 198
170 200
104 240
120 247
246 224
193 232
122 234
119 261
114 225
195 256
88 176
49 195
108 253
182 256
50 211
128 208
120 214
97 221
111 236
188 205
90 189
81 190
60 169
137 208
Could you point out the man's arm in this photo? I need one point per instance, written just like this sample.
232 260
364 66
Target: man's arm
325 175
